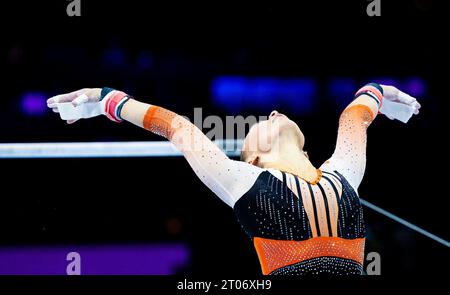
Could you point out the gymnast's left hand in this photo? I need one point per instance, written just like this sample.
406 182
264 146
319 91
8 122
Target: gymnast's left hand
395 95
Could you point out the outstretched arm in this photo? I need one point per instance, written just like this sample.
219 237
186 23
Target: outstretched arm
349 157
227 178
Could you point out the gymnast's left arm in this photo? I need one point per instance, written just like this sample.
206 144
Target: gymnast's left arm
227 178
349 157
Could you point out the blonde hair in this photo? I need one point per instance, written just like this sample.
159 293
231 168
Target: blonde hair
243 155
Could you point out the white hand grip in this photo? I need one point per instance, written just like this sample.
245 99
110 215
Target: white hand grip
86 110
399 111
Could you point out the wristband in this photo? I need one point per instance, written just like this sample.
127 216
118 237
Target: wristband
113 100
373 90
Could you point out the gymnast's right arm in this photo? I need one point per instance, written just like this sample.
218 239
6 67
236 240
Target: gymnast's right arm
227 178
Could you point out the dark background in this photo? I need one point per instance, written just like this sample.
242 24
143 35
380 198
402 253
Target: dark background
44 201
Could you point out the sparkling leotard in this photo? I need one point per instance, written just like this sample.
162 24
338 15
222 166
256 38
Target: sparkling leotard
296 227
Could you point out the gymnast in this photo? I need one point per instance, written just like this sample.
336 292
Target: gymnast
301 219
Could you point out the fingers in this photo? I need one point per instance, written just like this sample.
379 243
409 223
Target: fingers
59 104
68 97
53 101
417 107
80 100
76 98
409 100
406 99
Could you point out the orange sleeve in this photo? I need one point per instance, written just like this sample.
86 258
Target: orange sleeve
160 121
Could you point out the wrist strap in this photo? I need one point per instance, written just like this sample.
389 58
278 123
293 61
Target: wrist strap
114 101
373 90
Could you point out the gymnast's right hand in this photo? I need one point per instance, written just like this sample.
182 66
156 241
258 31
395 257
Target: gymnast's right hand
88 103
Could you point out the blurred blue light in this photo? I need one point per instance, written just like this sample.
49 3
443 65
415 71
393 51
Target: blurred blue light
114 57
415 87
341 90
33 103
145 60
237 93
386 81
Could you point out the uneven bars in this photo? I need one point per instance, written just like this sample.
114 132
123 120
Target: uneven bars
148 149
104 149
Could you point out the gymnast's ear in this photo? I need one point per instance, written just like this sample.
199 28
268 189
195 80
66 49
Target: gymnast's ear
254 160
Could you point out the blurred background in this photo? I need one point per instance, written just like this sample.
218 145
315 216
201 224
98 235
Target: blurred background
304 63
